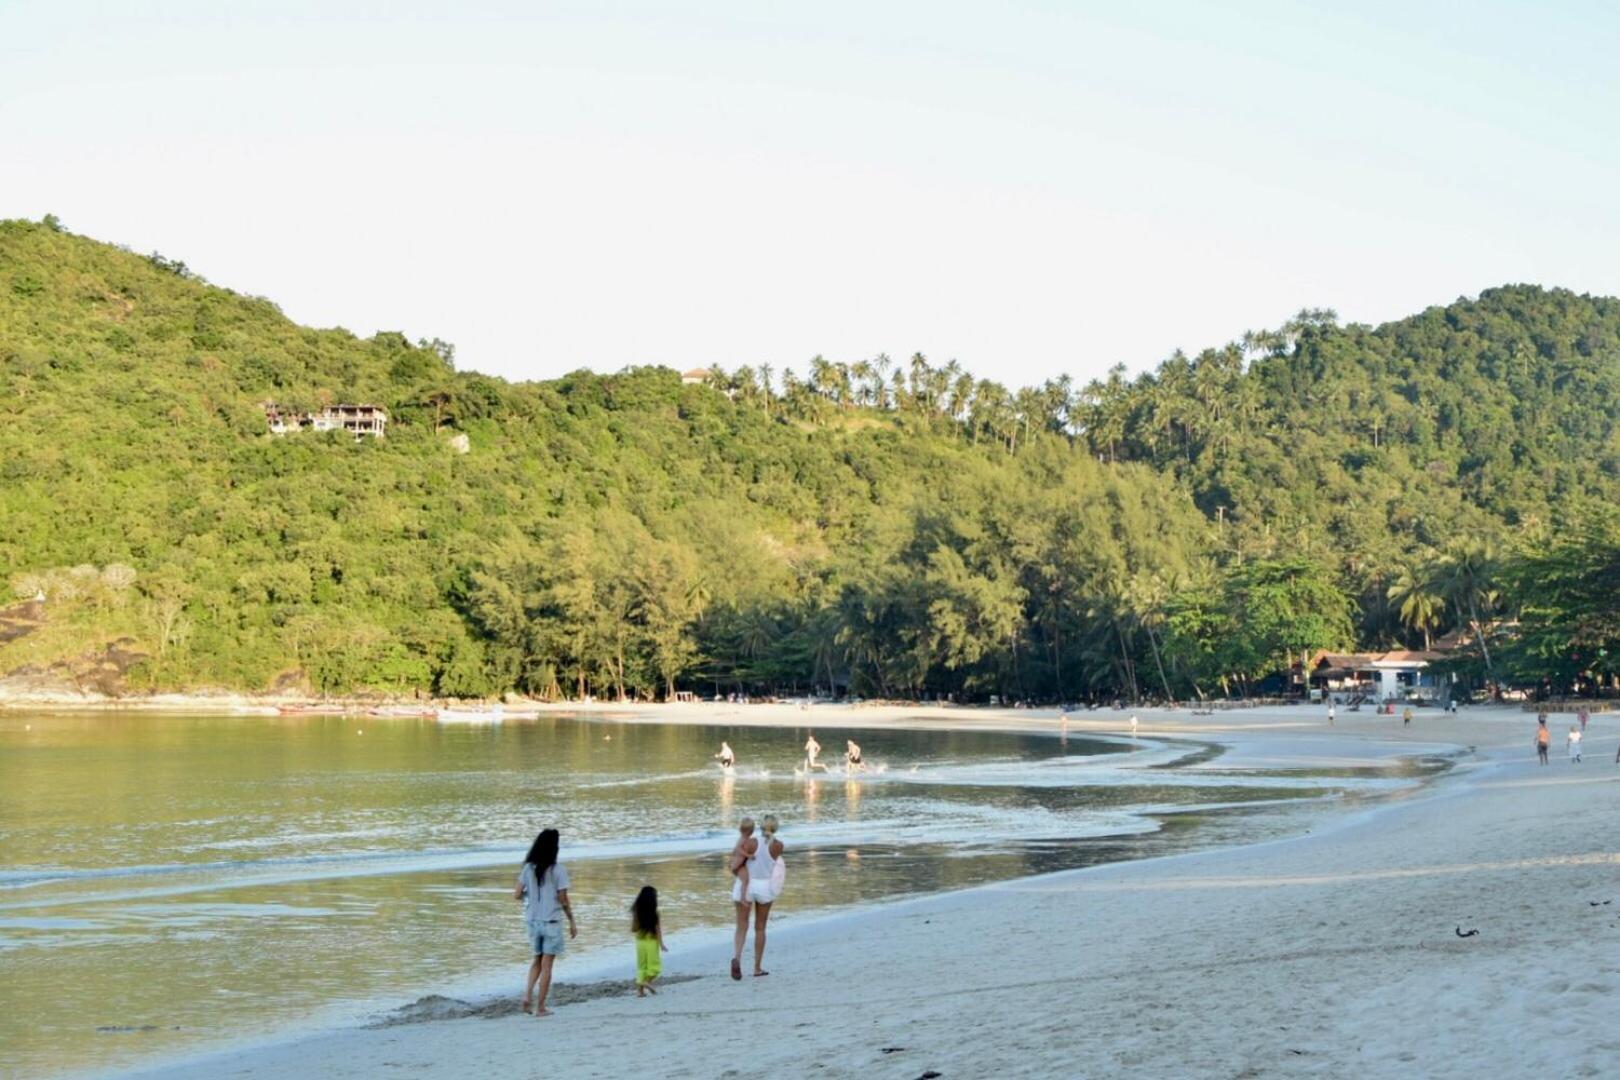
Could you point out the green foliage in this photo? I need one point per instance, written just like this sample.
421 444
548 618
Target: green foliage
878 527
1569 631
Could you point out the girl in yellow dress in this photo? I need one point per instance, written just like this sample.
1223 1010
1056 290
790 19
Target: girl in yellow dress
649 940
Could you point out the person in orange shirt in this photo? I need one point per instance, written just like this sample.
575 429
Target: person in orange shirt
1543 739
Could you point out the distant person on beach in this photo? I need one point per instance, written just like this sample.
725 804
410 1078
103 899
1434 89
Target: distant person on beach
1406 717
726 757
1133 725
649 935
811 750
543 887
1572 742
1583 716
852 756
1330 712
762 856
1544 739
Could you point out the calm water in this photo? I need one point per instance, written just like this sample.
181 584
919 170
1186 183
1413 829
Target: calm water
170 881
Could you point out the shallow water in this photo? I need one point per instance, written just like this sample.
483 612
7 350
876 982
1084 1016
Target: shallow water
171 881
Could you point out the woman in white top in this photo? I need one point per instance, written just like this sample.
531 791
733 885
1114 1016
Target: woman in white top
543 887
761 853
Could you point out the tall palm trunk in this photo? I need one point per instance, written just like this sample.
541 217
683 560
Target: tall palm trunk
1154 645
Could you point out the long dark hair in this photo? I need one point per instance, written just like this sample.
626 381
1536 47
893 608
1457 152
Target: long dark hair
644 912
542 855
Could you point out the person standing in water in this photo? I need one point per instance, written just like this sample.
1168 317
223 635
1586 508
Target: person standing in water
1544 739
811 750
1572 742
1133 725
852 756
1330 712
543 887
726 758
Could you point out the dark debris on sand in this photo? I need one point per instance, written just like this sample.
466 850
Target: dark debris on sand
437 1007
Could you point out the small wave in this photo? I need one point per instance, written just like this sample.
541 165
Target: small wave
640 781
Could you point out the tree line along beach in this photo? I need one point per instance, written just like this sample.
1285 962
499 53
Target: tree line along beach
877 528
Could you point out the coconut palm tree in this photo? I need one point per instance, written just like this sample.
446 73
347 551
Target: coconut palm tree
1420 604
1466 577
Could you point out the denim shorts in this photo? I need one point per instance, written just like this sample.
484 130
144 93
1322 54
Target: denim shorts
548 939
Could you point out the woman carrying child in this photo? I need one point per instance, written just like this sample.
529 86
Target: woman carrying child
758 856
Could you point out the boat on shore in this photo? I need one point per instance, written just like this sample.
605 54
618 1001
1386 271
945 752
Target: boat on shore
495 714
409 712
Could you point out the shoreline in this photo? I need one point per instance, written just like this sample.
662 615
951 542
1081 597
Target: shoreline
1252 740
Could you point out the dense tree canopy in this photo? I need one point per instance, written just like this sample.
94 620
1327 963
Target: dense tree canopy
885 528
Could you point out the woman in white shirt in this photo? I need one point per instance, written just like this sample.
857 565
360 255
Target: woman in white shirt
542 885
762 853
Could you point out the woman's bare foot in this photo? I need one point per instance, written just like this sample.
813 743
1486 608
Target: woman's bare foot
542 1011
651 989
527 1005
641 990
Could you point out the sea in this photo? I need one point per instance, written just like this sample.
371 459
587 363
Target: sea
174 883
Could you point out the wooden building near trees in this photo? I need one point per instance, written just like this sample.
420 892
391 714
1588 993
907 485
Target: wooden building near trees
359 420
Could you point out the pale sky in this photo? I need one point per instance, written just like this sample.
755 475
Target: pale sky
1029 188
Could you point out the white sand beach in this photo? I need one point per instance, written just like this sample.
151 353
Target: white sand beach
1329 954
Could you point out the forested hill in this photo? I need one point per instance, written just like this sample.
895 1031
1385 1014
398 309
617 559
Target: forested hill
893 529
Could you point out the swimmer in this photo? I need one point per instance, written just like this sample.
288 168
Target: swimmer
726 757
811 749
852 756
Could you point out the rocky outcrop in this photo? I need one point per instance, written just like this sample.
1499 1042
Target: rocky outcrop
100 674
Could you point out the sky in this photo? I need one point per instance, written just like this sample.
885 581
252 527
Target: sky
1031 189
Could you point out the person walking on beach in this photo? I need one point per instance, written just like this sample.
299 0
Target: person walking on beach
649 935
1572 742
1330 712
1133 725
1544 739
761 854
1406 717
1583 716
543 887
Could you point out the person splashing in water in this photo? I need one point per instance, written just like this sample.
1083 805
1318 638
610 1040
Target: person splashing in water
811 750
726 758
852 756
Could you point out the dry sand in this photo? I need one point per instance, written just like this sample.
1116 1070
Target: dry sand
1330 954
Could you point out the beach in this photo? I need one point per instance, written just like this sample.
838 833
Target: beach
1335 953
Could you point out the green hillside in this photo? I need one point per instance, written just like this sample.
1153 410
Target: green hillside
896 529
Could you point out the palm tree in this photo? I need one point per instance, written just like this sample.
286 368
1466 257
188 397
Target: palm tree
1420 605
1467 578
861 371
919 381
